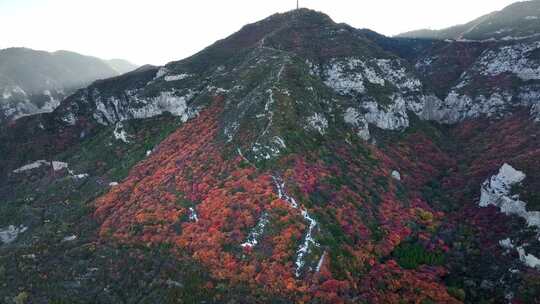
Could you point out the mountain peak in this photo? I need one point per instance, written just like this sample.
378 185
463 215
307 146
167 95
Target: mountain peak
302 17
302 14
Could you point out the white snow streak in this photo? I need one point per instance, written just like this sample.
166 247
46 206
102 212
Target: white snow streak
253 237
304 248
496 191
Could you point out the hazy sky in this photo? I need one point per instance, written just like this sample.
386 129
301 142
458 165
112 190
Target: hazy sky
158 31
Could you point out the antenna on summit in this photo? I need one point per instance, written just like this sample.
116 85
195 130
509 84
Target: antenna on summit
297 4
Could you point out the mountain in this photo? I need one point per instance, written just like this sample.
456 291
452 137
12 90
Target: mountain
36 81
516 21
121 66
295 161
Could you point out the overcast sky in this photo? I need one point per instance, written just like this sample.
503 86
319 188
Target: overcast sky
159 31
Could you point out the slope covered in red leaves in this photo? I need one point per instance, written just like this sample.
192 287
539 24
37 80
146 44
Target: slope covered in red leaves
202 200
194 196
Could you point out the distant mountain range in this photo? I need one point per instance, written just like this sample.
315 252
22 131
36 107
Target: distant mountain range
36 81
121 66
518 20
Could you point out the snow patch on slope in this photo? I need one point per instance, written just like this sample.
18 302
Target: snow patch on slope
193 215
528 259
496 191
69 238
10 233
320 263
57 166
31 166
178 77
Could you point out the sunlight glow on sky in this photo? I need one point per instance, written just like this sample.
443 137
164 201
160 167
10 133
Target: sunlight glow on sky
159 31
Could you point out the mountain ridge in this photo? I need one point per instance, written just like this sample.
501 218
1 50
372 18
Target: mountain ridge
297 160
36 81
516 21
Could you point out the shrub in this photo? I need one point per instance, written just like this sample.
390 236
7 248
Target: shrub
410 256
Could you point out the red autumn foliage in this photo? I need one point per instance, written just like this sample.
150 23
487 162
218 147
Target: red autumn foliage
151 206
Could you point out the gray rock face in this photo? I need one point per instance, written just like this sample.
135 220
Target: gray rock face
114 109
384 90
503 78
376 89
456 107
358 122
399 92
